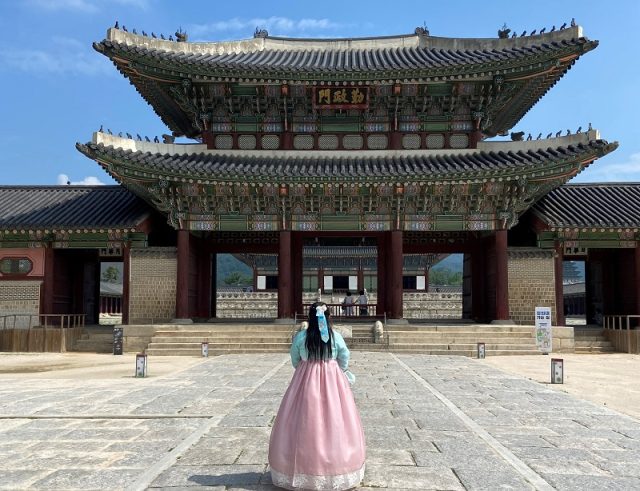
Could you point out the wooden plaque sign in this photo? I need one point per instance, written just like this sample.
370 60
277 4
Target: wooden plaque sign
346 97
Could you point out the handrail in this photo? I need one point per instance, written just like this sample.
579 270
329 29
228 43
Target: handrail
614 323
353 311
66 321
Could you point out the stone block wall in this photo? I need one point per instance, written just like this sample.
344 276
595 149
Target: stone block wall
421 305
531 283
20 297
152 287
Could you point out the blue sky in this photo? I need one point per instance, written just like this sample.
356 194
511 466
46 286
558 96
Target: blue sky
56 90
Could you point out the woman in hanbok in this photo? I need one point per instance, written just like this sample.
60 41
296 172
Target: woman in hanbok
317 440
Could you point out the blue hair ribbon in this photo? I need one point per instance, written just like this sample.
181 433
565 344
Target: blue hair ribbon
322 323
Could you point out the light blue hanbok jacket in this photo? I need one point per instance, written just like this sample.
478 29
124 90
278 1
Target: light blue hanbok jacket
339 350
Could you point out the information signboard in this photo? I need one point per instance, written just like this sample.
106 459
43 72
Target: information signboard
118 333
543 329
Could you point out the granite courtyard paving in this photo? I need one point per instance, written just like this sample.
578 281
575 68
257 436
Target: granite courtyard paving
449 423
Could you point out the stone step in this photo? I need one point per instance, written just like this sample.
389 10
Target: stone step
468 353
221 346
368 347
256 338
595 349
445 338
461 329
585 344
224 327
235 334
212 352
460 346
461 334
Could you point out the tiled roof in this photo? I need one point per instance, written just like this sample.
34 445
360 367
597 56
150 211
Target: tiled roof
36 207
346 60
357 165
591 205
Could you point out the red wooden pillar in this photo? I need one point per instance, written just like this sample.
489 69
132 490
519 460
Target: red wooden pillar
182 283
395 275
502 276
558 260
46 293
381 306
213 264
285 277
126 274
297 268
204 277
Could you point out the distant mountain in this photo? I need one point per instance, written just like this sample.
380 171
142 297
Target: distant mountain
227 264
453 262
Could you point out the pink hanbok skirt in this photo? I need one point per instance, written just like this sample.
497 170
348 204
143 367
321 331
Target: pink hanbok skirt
317 440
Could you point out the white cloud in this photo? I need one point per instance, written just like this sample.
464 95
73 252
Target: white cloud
84 6
617 172
64 56
87 181
275 26
75 5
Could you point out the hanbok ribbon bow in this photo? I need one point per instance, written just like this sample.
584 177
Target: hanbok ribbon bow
322 323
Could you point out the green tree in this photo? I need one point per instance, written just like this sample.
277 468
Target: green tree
111 275
237 279
445 277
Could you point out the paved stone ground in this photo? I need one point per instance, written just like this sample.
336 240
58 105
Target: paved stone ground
445 423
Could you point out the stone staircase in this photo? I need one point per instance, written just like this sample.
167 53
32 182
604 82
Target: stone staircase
362 339
95 339
462 340
186 340
591 340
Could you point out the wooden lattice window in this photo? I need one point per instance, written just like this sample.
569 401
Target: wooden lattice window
15 265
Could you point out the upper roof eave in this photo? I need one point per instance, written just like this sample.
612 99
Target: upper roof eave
273 59
376 42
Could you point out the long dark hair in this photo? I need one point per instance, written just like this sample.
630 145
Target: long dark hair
316 348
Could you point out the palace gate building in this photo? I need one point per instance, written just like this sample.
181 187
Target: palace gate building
378 145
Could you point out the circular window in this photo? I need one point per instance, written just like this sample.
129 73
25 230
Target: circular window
15 265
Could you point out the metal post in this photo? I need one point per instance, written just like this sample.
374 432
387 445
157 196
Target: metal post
557 371
628 336
481 351
63 343
141 365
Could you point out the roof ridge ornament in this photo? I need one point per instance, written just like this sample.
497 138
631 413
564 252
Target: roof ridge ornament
260 33
504 32
422 31
181 36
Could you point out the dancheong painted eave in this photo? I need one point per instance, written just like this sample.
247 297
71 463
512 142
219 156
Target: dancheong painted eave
510 75
541 160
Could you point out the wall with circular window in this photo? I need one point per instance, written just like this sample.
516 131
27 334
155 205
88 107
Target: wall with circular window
10 266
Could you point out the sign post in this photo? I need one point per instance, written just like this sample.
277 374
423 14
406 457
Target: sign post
481 351
141 365
117 340
543 329
557 371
